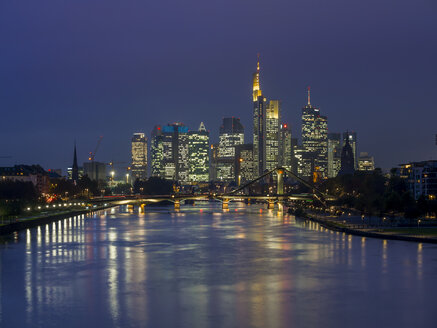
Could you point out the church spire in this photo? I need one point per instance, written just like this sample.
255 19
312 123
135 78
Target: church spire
75 168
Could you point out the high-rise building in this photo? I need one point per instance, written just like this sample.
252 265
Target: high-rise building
214 156
198 153
231 134
244 164
299 165
139 156
95 171
175 152
334 154
352 136
366 162
157 153
273 116
314 141
286 152
259 123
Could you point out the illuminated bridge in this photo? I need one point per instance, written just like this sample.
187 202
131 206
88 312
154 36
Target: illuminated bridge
280 198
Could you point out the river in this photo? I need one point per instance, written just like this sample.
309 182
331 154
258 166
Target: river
202 267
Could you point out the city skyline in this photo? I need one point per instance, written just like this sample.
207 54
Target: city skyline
70 83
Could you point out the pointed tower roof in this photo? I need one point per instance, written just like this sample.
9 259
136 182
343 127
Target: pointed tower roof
75 168
256 87
309 96
202 127
75 156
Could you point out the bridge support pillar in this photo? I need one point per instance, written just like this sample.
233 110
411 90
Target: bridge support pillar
280 207
142 208
271 204
177 204
225 204
280 186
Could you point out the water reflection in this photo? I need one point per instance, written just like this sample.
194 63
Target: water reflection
203 267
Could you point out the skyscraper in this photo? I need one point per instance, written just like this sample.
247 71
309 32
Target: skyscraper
334 154
231 134
174 138
314 141
259 123
198 153
157 153
273 116
286 153
244 164
139 156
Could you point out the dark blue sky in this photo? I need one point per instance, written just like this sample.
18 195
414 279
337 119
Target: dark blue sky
84 68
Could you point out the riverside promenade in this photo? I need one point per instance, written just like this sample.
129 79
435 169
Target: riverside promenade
375 227
26 222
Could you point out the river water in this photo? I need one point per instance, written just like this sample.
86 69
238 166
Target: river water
202 267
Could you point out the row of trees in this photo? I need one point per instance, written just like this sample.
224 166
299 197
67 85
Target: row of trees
376 194
15 195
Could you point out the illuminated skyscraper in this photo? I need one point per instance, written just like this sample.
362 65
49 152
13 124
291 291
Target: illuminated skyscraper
231 134
314 141
244 164
198 152
139 156
157 153
259 123
286 153
175 166
273 116
334 154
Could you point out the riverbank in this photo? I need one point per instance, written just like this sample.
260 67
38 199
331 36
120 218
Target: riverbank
31 222
422 235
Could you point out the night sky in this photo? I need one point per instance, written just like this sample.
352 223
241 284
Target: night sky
84 68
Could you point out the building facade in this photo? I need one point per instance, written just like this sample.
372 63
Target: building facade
95 171
366 162
244 164
314 141
139 156
231 134
259 123
272 137
286 151
334 154
157 153
421 178
198 153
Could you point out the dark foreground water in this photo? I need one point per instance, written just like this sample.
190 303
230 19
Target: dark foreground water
205 268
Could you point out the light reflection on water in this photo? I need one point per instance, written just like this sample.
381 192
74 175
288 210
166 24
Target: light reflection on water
202 267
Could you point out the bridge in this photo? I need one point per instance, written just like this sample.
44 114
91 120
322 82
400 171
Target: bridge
280 198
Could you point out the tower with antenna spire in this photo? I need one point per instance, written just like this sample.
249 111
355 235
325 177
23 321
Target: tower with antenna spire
314 141
259 123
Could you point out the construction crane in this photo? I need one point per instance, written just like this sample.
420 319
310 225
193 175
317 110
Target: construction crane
93 154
